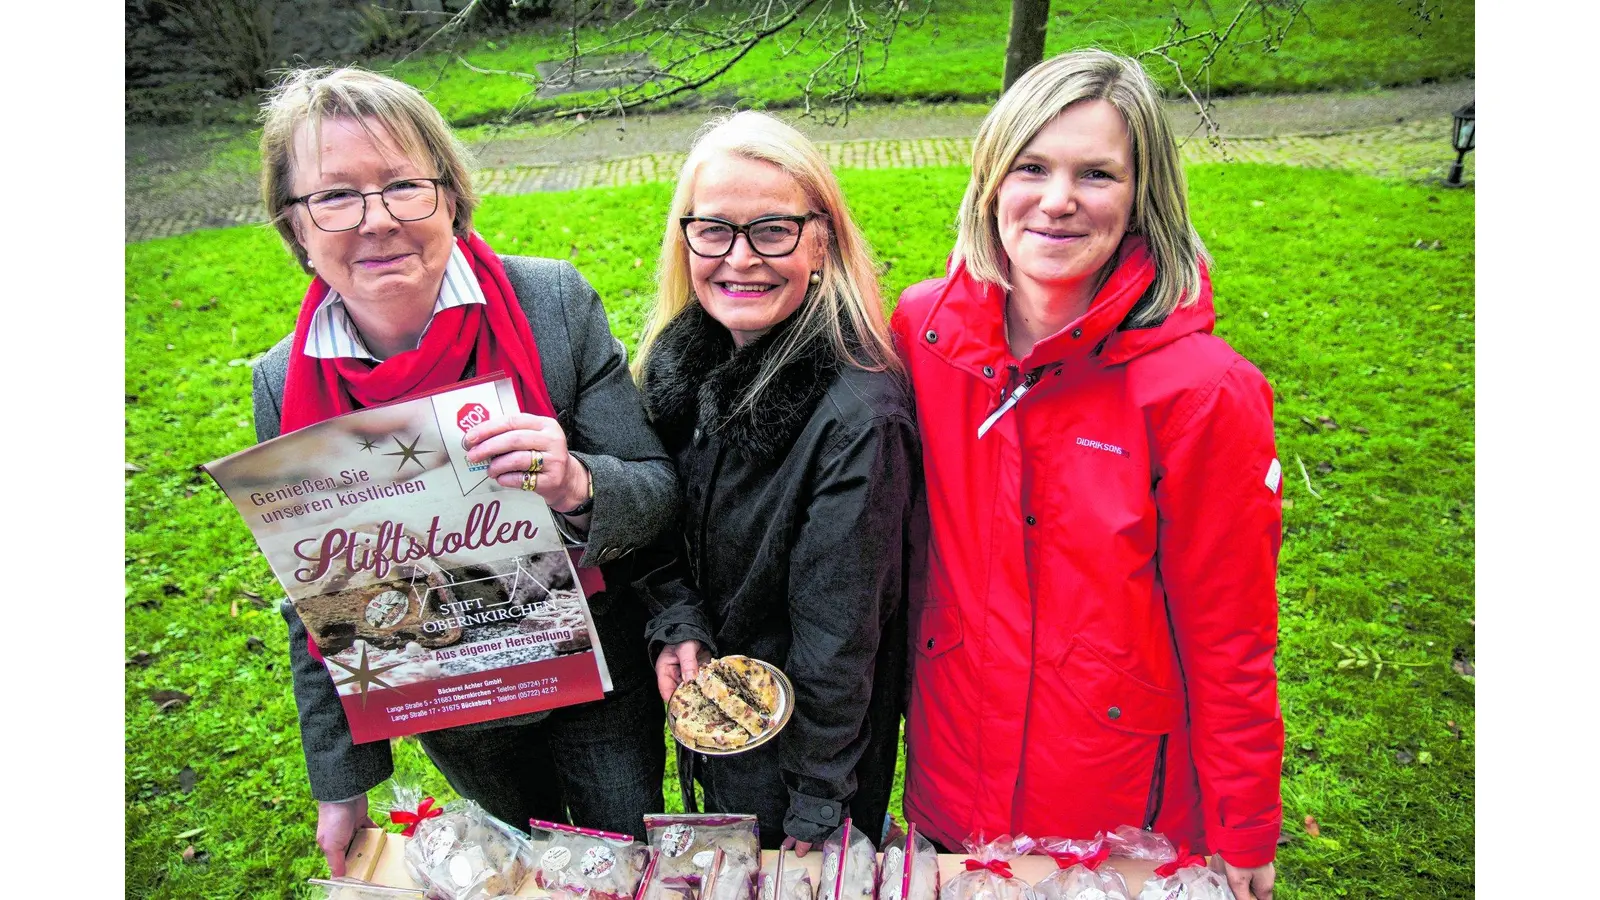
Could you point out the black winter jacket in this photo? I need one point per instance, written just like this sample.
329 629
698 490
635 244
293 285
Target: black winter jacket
795 545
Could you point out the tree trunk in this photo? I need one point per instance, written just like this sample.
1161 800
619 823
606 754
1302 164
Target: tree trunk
1025 44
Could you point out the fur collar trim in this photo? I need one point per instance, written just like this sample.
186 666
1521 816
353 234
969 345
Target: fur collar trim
696 377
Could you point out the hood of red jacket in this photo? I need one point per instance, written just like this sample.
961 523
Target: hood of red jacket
967 319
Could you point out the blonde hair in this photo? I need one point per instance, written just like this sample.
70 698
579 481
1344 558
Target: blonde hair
313 96
1160 205
844 308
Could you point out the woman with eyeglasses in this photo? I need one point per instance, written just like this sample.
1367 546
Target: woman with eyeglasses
769 373
370 191
1096 645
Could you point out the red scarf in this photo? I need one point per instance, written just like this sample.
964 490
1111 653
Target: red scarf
494 336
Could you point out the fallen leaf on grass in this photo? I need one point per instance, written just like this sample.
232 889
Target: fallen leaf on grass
191 833
254 644
186 779
130 467
1359 430
1312 828
1324 468
1328 423
1310 425
140 659
1462 667
1404 757
188 854
233 609
166 700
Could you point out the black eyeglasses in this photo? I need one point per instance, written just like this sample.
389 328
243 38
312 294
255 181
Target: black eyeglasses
768 236
342 209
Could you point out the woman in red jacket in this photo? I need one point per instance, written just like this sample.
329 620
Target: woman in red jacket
1095 646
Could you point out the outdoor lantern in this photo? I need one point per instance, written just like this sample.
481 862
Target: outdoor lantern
1461 138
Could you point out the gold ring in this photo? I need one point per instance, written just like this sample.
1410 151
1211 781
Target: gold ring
536 465
530 481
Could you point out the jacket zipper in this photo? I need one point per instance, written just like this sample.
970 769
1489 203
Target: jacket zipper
1023 388
1158 783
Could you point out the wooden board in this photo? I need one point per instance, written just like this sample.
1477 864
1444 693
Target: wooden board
388 867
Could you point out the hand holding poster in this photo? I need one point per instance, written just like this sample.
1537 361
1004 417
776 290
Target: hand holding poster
435 596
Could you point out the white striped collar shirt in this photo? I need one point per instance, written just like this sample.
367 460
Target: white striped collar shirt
333 334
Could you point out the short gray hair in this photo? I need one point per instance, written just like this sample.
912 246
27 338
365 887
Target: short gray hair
315 95
1160 204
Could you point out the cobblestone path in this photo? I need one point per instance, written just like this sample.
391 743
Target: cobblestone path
1414 150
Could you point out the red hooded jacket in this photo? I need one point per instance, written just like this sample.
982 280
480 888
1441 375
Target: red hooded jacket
1095 644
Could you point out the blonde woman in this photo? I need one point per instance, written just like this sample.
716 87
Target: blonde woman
1096 646
769 373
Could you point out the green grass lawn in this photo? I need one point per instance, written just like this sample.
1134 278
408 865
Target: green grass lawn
958 54
1367 339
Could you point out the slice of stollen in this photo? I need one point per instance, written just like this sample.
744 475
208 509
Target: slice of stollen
700 723
723 685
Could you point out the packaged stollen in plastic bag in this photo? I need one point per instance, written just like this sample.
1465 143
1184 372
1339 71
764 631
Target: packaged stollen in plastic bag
728 878
684 843
849 865
988 870
1079 874
1129 842
1185 877
354 889
406 805
572 862
910 869
654 887
787 882
459 851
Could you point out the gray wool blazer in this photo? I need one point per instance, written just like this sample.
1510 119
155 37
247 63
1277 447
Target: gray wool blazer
597 405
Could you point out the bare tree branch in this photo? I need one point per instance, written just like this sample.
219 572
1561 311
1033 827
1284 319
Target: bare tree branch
621 55
1275 19
744 46
451 26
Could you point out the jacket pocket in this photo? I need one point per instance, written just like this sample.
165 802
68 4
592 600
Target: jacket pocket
1115 698
938 630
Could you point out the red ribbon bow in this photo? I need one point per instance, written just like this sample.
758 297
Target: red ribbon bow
998 866
1185 858
411 819
1091 861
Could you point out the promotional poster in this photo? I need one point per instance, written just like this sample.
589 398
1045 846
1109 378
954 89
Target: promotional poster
435 596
